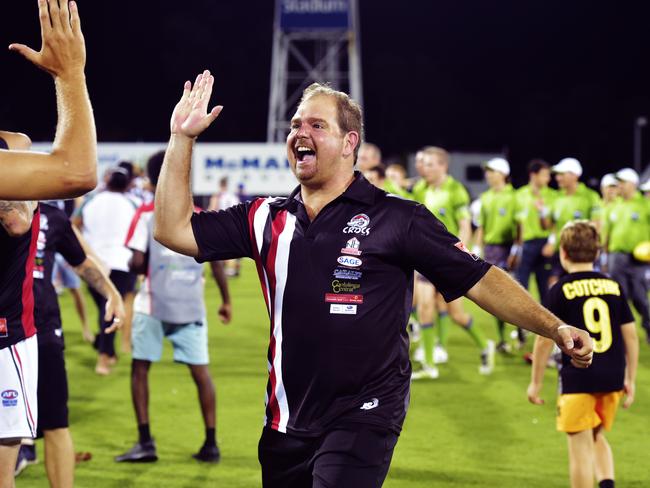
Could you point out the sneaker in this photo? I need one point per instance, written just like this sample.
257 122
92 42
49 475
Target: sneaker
427 372
440 355
418 355
26 456
140 453
487 359
504 348
208 454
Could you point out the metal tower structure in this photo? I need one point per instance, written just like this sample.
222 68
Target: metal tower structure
313 40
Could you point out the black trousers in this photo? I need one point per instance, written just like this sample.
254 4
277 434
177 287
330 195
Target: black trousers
350 457
124 282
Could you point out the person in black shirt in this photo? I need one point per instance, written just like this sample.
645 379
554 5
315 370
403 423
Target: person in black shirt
336 261
589 397
56 235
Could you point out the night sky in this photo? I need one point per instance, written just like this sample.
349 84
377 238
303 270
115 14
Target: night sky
532 78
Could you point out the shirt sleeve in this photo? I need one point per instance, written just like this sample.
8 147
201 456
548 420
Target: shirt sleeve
138 236
595 209
223 234
69 246
440 256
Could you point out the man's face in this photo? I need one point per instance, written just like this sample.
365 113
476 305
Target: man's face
419 164
609 192
374 178
494 178
434 168
627 188
566 180
396 176
316 148
368 158
542 178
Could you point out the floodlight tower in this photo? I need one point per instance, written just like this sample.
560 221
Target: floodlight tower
313 40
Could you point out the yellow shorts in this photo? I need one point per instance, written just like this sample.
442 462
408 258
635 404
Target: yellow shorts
585 411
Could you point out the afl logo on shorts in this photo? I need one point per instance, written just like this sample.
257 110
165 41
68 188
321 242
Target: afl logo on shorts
349 261
358 225
9 398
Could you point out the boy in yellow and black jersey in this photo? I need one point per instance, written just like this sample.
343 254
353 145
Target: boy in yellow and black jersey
589 397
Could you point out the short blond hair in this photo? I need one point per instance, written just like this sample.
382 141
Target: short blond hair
436 151
580 241
349 113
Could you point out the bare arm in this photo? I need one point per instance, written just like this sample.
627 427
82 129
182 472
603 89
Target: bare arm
16 217
173 206
503 297
92 273
71 168
219 274
632 359
541 352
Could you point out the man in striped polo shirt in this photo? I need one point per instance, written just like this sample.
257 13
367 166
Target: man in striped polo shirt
336 261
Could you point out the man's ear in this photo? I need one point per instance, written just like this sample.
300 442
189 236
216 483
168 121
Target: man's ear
350 143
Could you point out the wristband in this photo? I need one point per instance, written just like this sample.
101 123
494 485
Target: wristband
545 212
515 249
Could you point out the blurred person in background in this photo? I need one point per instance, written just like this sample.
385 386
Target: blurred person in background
104 221
575 201
222 200
369 156
497 227
396 180
610 193
376 176
627 225
170 304
448 200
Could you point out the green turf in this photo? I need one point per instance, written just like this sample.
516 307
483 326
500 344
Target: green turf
463 430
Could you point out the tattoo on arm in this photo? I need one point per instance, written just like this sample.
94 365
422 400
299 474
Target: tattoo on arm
94 278
16 216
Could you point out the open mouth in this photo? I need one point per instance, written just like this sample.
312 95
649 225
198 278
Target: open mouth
305 154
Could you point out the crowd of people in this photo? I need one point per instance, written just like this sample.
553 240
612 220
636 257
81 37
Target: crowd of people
343 266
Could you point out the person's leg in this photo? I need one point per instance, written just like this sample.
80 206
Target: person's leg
208 401
358 457
603 457
59 458
581 459
426 314
8 457
128 321
443 322
103 341
285 459
80 307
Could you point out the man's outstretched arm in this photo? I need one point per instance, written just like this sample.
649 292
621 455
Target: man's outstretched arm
71 168
503 297
173 206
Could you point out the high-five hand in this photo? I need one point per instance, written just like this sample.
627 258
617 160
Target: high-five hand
191 116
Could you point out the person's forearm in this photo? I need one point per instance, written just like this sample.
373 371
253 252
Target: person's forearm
631 350
220 278
465 231
92 273
16 217
173 205
541 352
503 297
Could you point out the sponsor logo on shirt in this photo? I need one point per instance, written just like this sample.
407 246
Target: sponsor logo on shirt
344 298
352 247
9 398
442 211
374 403
336 308
4 330
502 211
349 261
577 214
462 247
347 274
635 216
358 225
344 286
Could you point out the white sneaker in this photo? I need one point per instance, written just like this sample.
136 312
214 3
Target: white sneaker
418 354
487 359
427 372
440 355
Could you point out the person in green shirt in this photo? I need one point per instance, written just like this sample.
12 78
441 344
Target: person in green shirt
575 202
627 225
448 200
496 224
533 203
609 192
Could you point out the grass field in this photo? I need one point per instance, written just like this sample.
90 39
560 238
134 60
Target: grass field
463 430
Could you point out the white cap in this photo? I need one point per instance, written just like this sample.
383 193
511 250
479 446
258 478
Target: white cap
645 186
498 164
568 165
608 180
628 174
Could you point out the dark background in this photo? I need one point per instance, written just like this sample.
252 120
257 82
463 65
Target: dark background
534 78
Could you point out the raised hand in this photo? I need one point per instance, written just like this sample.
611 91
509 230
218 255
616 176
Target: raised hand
190 116
63 50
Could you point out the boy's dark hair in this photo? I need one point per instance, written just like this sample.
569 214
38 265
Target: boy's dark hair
580 241
128 166
118 180
154 164
537 165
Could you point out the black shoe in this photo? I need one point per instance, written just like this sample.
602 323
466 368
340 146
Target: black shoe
208 454
144 452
